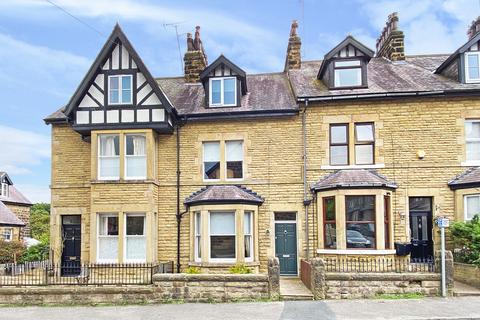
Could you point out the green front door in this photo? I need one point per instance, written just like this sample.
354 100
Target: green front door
286 247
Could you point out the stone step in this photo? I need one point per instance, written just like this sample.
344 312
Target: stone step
466 293
296 297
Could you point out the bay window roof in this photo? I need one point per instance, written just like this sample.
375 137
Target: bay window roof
224 194
349 179
467 179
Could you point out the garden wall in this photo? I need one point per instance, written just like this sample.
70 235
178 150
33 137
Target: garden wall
467 273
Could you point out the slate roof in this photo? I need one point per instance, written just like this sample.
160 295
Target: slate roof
7 217
415 74
224 194
468 179
266 92
358 178
15 196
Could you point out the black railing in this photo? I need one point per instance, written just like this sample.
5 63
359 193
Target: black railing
45 273
379 264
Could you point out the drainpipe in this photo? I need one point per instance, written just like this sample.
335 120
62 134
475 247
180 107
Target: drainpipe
178 215
306 201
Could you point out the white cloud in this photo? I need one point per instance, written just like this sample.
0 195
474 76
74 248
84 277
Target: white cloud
22 150
34 192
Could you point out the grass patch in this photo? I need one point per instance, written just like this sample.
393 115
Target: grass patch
397 296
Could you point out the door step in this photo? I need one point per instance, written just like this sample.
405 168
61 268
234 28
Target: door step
464 290
296 297
466 293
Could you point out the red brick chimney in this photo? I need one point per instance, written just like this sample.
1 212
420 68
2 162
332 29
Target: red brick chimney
474 28
390 44
293 59
195 58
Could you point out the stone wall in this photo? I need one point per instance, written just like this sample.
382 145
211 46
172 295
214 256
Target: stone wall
23 213
211 287
467 273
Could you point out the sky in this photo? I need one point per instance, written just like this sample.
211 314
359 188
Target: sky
45 52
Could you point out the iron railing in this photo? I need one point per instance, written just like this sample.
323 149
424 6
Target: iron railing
44 273
379 264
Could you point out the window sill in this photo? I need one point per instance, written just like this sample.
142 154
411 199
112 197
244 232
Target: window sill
123 181
371 252
354 166
221 264
470 163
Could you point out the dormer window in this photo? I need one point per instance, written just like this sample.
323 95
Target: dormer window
472 67
348 73
120 89
4 189
223 92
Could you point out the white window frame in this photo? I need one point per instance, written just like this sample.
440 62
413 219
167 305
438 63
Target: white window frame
99 156
467 140
120 93
135 156
224 260
219 160
222 92
125 237
197 234
243 161
465 198
9 232
107 215
249 233
347 65
467 76
4 191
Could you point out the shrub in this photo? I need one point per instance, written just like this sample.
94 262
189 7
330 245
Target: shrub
37 252
193 270
240 269
11 251
40 222
466 239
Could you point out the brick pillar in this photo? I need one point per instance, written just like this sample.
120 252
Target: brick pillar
195 59
318 285
293 59
391 44
274 278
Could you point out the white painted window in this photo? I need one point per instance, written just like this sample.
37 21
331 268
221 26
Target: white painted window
211 160
4 189
223 92
120 89
348 73
234 159
135 156
198 236
471 206
7 234
472 139
135 238
108 157
222 236
107 245
248 235
472 67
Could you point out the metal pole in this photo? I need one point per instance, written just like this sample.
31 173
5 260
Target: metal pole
444 285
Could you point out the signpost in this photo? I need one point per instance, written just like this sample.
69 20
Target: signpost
443 223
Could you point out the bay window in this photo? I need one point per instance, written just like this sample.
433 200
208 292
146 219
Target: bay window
364 143
386 220
222 236
360 221
108 157
211 160
471 206
472 139
198 236
135 156
135 238
107 247
339 144
234 159
329 224
248 235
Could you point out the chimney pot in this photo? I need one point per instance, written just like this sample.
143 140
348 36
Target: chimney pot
195 58
390 44
474 28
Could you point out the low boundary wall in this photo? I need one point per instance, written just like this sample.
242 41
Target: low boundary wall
467 273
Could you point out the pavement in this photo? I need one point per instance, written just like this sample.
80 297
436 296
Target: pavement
427 308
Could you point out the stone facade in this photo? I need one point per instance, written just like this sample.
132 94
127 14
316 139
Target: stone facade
467 273
23 213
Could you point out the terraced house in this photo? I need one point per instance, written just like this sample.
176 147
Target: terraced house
341 156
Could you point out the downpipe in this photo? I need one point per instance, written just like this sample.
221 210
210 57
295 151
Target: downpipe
306 201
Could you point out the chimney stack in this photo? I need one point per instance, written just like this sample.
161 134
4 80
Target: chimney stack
195 58
293 59
390 44
474 28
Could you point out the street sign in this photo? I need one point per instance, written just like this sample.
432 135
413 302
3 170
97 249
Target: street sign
443 222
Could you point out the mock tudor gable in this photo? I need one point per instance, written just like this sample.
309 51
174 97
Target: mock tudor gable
119 92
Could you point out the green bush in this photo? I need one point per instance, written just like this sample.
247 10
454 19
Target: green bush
193 270
11 251
240 269
466 239
37 252
40 222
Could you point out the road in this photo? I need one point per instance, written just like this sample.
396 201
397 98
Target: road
428 308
